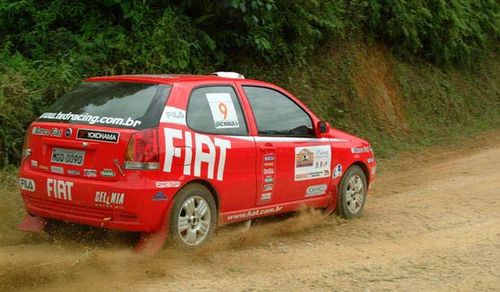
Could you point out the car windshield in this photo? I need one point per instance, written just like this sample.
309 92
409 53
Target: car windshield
113 104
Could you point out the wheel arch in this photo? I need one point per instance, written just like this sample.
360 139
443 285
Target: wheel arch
209 186
363 167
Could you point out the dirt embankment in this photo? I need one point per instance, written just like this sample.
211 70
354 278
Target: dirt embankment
431 223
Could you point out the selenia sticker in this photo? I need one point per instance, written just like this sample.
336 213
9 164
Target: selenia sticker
312 162
223 111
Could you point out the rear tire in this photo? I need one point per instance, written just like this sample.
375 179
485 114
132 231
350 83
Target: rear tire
193 217
352 193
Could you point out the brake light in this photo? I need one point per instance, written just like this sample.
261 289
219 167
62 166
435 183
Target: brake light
27 139
143 151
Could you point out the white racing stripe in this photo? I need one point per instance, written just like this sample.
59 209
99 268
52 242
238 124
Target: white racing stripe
285 139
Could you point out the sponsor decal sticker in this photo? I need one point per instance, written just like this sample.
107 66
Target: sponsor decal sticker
160 196
44 167
173 115
112 200
268 170
90 119
358 150
269 157
267 177
27 184
268 187
312 162
168 184
107 173
265 197
54 132
34 163
73 172
223 112
90 172
337 171
253 213
370 160
103 136
316 190
59 189
57 169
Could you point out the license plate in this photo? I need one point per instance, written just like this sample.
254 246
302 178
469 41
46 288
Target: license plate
67 156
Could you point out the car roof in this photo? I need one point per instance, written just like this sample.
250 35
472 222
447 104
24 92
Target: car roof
179 78
172 78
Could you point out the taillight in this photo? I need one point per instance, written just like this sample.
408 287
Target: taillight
26 150
143 151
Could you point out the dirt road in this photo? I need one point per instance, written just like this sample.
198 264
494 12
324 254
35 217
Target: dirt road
432 222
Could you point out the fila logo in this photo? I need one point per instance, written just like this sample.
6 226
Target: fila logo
216 149
27 184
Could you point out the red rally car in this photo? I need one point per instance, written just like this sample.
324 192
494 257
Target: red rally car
178 155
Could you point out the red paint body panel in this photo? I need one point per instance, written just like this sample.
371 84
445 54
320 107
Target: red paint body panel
252 176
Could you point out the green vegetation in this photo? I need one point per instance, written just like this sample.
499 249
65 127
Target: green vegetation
443 78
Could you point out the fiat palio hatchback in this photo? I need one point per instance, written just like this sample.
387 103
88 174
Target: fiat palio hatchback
180 154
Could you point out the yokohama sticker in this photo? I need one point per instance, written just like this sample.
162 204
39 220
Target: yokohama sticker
110 137
312 162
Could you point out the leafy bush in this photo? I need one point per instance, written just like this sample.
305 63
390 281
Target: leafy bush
440 31
46 47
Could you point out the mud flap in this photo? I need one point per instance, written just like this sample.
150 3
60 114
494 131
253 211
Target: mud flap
32 224
151 243
332 204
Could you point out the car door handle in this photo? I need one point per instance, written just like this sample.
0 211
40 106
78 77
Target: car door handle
268 147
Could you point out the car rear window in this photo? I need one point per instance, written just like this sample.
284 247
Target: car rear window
113 104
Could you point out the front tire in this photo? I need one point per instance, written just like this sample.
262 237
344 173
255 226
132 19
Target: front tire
193 217
352 193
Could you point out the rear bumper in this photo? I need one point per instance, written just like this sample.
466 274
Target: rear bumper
99 203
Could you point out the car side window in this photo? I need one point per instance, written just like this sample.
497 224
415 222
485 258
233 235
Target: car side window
276 114
216 110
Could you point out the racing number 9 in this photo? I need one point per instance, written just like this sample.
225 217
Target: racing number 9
223 109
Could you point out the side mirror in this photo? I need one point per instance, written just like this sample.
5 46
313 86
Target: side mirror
323 127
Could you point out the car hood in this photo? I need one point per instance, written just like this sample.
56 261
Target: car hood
334 133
